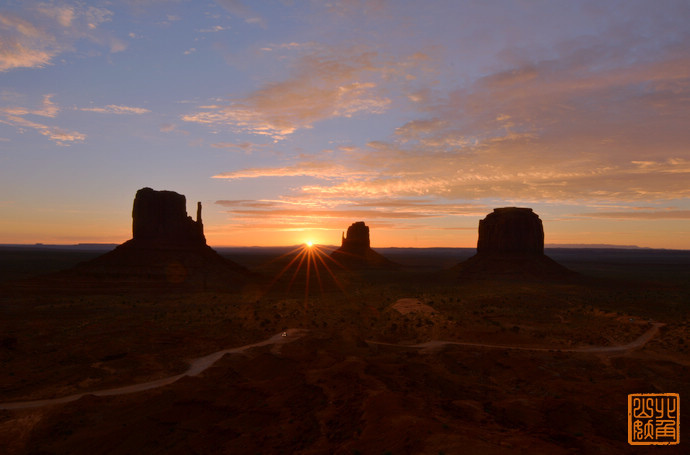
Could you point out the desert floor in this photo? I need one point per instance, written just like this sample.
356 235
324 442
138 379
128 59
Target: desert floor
409 361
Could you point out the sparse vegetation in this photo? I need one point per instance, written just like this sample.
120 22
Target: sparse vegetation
334 386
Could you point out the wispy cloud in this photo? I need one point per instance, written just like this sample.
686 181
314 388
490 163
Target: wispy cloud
319 169
320 214
595 124
47 108
639 215
591 120
214 29
116 109
325 84
16 116
58 135
300 213
240 9
33 36
23 44
245 146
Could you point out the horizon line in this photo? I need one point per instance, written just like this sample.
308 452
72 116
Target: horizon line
547 245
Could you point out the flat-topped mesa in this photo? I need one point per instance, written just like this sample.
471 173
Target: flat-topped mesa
161 217
357 238
511 230
511 246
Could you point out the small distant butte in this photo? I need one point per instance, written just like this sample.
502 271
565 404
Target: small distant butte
356 252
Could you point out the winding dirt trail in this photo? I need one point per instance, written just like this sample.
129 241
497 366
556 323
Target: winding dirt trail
200 364
196 366
638 343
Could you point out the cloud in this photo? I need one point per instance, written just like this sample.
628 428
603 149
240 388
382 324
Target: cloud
300 213
56 134
16 116
365 8
33 36
23 44
214 29
292 45
640 215
326 83
170 128
63 14
246 146
239 8
47 108
519 168
256 20
320 214
388 208
62 137
116 109
319 169
600 122
378 187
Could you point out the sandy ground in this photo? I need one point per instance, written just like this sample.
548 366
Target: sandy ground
412 305
625 348
381 364
196 367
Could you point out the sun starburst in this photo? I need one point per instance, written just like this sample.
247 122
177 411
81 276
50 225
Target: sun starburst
311 264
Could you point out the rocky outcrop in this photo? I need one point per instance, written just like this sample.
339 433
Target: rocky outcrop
511 245
355 250
511 230
168 251
161 217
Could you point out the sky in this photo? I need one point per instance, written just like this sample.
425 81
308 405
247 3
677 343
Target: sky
292 119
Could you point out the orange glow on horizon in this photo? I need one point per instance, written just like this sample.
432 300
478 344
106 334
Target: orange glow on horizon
669 234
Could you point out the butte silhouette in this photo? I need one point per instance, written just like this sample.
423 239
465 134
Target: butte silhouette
168 250
355 250
511 245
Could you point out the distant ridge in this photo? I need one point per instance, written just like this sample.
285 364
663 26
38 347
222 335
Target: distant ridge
71 246
110 246
596 245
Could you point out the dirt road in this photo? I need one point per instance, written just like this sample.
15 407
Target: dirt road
202 363
638 343
196 366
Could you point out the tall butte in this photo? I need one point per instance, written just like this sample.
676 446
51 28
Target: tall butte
355 250
167 250
511 245
160 217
